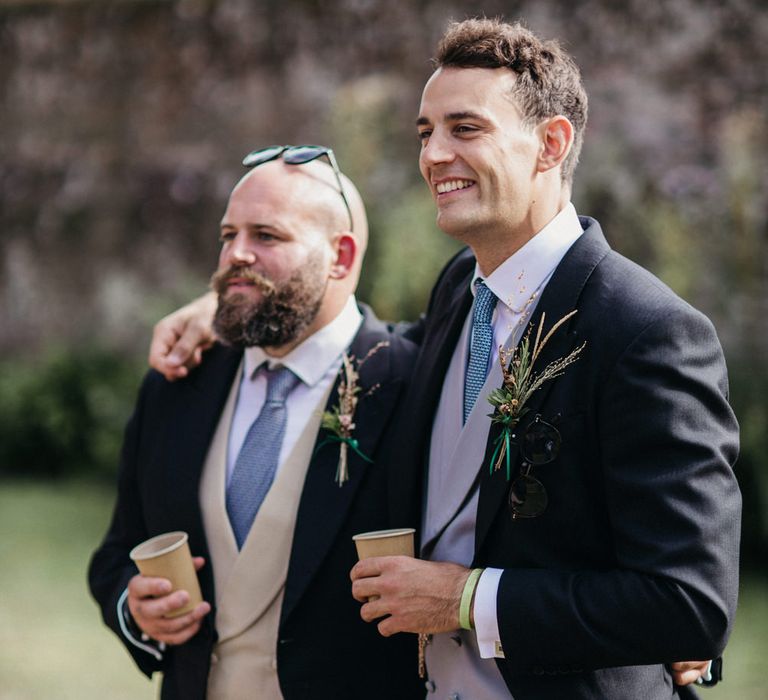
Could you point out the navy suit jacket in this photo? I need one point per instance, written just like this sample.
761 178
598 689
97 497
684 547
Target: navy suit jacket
634 564
324 649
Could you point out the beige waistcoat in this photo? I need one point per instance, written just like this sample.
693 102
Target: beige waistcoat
250 583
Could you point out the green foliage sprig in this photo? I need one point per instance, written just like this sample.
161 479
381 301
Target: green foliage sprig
63 412
340 420
520 382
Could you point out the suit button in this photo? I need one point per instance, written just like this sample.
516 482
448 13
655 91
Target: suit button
214 659
430 686
454 696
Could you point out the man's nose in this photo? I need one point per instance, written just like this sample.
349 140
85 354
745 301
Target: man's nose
240 250
437 150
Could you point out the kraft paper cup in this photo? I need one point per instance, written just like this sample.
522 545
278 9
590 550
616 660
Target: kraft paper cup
168 556
384 543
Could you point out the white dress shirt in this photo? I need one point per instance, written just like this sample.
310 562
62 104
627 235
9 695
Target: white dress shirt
316 362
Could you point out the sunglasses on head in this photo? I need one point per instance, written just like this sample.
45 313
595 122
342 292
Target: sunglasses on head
298 155
539 444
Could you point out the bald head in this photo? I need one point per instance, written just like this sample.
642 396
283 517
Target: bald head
314 188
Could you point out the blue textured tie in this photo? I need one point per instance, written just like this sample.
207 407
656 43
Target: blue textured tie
480 346
257 460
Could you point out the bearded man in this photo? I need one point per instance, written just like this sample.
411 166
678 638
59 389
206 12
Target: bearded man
234 455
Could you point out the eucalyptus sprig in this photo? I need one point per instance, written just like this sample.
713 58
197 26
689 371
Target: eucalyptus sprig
339 421
520 382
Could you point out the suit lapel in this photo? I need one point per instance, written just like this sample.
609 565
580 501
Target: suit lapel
258 574
559 298
406 488
452 485
437 353
199 402
324 504
457 479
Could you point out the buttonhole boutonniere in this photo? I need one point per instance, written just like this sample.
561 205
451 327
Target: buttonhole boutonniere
340 420
520 382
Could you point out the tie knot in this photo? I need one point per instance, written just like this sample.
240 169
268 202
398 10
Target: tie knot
280 382
485 302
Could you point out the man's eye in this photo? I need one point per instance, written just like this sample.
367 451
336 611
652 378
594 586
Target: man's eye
225 236
424 135
266 237
464 129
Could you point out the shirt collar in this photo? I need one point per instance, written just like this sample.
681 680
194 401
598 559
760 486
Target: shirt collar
311 359
522 274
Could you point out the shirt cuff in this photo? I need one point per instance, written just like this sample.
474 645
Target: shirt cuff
484 609
707 677
126 622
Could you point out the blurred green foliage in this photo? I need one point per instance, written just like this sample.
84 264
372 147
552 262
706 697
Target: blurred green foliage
64 412
748 398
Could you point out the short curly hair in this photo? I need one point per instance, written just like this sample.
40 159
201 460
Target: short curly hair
548 80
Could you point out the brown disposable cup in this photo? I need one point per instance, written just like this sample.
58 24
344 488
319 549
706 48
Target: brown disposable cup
168 556
385 543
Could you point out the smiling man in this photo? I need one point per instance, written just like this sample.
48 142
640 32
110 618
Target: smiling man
234 455
588 534
584 537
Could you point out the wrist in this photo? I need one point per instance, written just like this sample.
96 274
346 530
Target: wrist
133 633
130 621
714 673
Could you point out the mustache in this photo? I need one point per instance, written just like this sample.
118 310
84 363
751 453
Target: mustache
220 280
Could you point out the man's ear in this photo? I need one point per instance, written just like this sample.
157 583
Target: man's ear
556 141
345 254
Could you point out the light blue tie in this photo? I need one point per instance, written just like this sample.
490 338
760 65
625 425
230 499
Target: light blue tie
480 345
257 460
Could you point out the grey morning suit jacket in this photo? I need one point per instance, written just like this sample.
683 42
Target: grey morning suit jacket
634 564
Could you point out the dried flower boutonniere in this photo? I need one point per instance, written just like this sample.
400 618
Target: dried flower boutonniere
520 382
340 420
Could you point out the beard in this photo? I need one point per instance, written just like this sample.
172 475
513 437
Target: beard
282 313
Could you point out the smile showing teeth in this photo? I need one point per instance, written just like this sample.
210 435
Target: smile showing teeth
451 185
